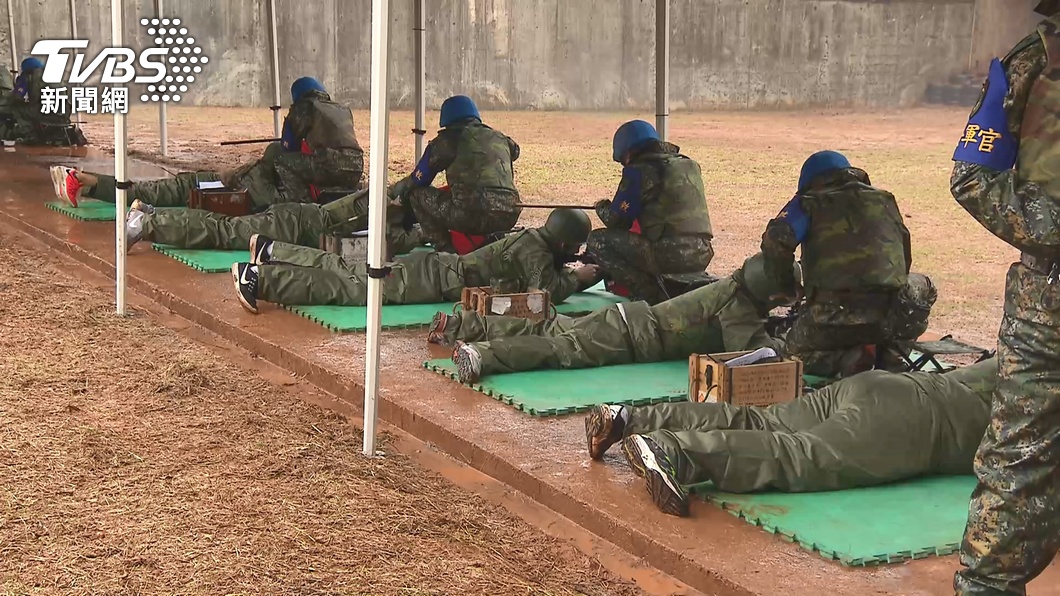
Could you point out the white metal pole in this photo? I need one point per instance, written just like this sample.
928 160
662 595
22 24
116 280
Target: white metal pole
73 35
377 200
275 70
120 137
419 28
662 68
11 37
163 124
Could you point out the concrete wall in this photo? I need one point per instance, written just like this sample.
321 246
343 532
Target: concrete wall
564 54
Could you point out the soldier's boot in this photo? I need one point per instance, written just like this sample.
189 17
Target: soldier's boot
650 462
603 428
245 279
260 249
138 205
436 332
468 363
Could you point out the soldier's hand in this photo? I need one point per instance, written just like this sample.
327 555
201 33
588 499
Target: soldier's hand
602 204
587 275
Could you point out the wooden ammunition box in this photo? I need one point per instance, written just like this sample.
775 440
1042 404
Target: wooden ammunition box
711 380
221 200
353 248
534 305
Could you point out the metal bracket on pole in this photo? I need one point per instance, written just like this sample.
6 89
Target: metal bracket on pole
163 119
275 59
419 28
662 68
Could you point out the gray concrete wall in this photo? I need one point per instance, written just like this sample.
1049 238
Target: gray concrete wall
563 54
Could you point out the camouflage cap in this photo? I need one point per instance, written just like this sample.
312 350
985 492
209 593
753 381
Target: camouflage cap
762 286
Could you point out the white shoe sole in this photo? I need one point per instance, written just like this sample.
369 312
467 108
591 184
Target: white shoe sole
59 183
239 295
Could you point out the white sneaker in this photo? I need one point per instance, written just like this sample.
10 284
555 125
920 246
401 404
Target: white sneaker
59 174
468 363
134 228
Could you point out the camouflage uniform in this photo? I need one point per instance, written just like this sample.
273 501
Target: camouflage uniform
719 317
335 159
1013 527
855 258
295 223
831 438
481 198
674 223
31 125
298 275
7 99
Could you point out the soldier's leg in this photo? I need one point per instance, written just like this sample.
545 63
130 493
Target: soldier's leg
327 168
262 185
683 254
1013 526
304 256
348 207
433 209
286 284
193 228
166 192
801 414
469 326
627 259
825 332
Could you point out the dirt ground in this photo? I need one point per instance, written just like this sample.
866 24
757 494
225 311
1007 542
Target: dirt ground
134 460
750 162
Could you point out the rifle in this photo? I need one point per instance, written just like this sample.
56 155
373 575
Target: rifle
535 206
249 141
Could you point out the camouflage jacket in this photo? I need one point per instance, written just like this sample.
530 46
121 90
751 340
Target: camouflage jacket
663 192
524 259
322 123
856 240
1022 205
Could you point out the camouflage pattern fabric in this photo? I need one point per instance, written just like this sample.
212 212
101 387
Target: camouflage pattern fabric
636 262
439 211
720 317
829 439
166 192
1013 529
7 99
33 127
324 168
524 260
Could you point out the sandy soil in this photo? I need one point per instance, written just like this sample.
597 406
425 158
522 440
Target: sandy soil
134 460
750 162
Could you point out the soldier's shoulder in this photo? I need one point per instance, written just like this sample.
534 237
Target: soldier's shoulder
1029 49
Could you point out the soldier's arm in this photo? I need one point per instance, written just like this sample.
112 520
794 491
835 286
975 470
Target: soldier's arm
626 207
1015 210
783 235
513 148
544 273
437 156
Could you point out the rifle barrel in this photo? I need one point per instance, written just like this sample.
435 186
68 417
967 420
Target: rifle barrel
249 141
546 206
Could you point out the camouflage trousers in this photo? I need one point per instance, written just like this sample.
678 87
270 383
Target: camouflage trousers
1013 529
298 275
257 177
33 128
326 169
829 332
635 262
439 211
294 223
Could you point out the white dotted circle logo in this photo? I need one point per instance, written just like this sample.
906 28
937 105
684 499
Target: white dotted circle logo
183 58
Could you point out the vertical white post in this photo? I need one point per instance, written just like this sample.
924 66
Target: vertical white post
73 35
275 58
662 68
163 124
11 37
377 200
120 176
419 27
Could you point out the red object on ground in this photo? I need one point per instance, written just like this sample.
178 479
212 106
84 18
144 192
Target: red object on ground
465 243
616 288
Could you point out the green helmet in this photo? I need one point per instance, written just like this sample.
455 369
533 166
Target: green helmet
568 226
1047 8
762 286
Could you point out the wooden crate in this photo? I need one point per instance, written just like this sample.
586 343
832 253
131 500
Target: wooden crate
710 380
222 200
534 305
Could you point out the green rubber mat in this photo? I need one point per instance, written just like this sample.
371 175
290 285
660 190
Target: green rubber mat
86 210
556 392
413 316
863 526
208 261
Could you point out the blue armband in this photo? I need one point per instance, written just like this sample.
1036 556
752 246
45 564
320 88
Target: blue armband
796 217
627 201
288 141
423 175
987 140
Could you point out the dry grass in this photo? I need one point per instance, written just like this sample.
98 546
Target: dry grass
750 163
132 460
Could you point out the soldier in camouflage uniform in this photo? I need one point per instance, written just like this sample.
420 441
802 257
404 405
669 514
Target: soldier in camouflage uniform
481 198
855 257
531 259
828 440
1006 176
658 222
31 125
7 99
319 151
725 316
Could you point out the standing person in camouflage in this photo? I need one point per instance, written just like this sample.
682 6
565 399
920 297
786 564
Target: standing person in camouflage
7 99
295 223
855 257
32 125
1006 176
725 316
828 440
481 198
319 151
658 222
531 259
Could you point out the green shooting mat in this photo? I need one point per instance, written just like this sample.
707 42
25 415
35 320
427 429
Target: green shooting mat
862 526
86 210
208 261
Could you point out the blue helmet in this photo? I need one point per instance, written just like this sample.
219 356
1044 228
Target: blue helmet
31 63
457 108
819 163
305 85
630 136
